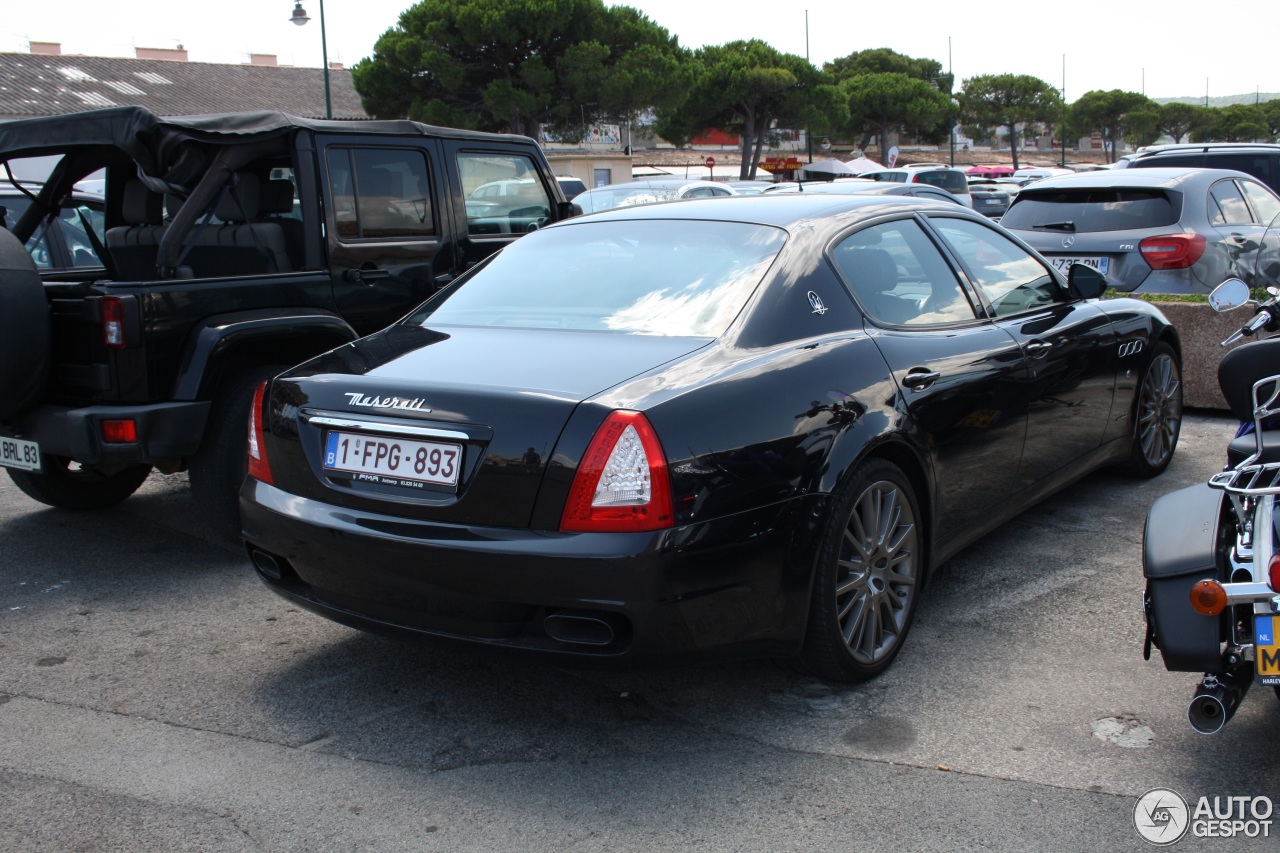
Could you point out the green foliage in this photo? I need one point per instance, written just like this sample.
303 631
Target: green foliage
882 60
1271 111
520 65
1008 100
892 102
1110 113
1241 123
1177 119
749 88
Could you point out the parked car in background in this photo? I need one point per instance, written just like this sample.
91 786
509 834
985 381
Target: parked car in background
649 191
859 186
1039 173
63 243
1260 159
949 178
1148 230
659 433
571 187
989 198
749 187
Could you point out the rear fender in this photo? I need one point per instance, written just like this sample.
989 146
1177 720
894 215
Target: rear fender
222 346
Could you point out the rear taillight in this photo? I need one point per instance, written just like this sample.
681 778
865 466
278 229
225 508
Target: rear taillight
1172 251
1273 573
259 467
622 483
113 322
120 432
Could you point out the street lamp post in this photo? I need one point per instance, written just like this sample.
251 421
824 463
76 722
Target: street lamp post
299 17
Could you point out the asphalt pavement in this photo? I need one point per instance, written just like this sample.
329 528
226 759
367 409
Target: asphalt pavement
154 696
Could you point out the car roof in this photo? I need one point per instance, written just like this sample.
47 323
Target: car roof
660 182
1167 177
779 209
1186 147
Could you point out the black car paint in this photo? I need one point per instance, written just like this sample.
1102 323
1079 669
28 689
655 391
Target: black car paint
796 400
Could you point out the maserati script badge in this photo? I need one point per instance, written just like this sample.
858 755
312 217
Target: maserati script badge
815 302
406 404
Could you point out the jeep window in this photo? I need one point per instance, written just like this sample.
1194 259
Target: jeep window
380 193
1227 206
504 193
1093 210
79 243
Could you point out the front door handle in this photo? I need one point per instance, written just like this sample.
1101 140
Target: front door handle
1038 347
918 380
365 276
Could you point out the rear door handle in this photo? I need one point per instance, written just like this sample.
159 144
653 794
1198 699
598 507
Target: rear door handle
365 276
918 380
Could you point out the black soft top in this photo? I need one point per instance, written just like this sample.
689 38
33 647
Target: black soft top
145 137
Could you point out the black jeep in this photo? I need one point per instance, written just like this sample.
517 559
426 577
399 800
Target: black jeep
228 248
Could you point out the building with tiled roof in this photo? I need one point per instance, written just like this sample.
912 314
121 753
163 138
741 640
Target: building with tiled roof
42 84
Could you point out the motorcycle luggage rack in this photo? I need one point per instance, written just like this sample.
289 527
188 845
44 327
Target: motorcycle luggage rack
1249 480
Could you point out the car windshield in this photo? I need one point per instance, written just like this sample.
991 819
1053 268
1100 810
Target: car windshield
1087 210
654 277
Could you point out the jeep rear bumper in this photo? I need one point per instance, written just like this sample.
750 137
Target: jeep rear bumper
163 430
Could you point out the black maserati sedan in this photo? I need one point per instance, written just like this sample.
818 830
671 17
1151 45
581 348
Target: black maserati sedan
738 426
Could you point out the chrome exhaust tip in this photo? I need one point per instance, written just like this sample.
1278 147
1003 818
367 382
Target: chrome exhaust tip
584 629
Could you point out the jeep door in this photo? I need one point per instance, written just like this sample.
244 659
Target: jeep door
387 226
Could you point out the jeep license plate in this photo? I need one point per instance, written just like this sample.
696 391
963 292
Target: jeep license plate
17 453
1266 648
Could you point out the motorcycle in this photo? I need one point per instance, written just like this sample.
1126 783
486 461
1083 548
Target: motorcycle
1211 552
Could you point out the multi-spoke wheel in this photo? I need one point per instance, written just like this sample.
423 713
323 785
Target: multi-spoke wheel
868 576
1157 414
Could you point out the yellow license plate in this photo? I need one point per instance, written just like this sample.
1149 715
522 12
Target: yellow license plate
1267 649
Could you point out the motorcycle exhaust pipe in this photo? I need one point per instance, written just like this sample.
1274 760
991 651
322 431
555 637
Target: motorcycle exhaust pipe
1217 697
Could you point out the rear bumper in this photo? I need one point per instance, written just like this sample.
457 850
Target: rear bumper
165 431
723 588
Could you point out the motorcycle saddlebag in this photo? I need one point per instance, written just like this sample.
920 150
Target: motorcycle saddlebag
1180 547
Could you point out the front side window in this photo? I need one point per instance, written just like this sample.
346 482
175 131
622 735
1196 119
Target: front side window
380 193
652 277
504 193
899 277
1011 280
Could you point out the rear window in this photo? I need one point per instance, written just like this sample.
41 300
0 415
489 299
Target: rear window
1087 210
653 277
952 182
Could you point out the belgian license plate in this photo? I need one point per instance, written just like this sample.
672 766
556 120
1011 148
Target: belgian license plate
1064 264
1267 663
17 453
393 461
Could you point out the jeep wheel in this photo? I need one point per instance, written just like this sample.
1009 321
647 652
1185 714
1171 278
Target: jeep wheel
65 484
24 328
218 468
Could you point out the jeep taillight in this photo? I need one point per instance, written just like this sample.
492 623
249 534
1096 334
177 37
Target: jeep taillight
622 483
112 308
1172 251
259 466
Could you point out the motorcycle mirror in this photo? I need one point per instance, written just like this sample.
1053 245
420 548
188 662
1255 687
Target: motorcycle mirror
1229 295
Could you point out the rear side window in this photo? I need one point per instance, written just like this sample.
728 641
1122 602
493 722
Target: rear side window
380 193
1265 204
1227 206
1085 210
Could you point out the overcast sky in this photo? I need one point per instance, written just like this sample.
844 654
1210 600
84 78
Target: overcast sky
1136 47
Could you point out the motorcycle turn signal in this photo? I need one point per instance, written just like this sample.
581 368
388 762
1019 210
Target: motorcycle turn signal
1209 598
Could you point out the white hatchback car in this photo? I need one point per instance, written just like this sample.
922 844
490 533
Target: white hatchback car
949 178
648 192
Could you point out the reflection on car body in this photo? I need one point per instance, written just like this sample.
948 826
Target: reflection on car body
708 465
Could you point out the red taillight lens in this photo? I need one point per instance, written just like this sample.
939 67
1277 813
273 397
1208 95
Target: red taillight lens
113 322
1172 251
120 432
622 483
1273 573
259 466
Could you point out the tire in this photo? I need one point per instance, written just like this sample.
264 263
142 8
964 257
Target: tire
218 469
24 328
64 484
868 576
1157 414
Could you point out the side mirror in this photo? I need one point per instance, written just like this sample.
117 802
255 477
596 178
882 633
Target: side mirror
1085 282
1229 295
